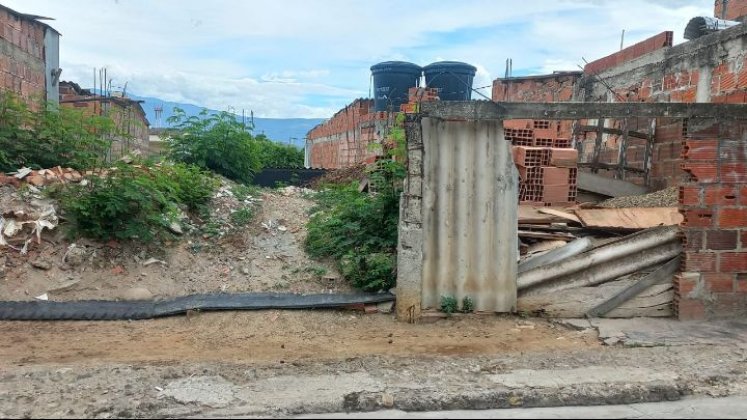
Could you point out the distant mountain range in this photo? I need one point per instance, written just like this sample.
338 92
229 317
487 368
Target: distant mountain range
282 130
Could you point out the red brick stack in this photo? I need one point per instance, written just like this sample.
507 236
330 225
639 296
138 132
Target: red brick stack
547 175
416 95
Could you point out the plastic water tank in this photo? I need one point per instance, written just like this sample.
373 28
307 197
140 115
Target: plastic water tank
392 81
452 79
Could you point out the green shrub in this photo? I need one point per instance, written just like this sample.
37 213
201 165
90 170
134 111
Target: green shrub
359 230
127 204
468 305
449 304
50 136
242 217
218 142
187 184
134 202
278 155
242 192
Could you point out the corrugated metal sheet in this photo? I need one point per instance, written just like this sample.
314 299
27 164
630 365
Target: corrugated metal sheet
470 214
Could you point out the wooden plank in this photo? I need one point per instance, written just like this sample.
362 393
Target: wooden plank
546 235
606 186
609 166
531 215
489 110
622 158
607 130
561 214
630 218
664 274
648 153
553 227
656 301
597 146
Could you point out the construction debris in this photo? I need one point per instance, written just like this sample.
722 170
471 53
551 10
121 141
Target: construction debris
664 198
572 279
23 217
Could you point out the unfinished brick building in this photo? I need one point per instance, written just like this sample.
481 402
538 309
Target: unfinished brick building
348 138
128 115
29 56
705 159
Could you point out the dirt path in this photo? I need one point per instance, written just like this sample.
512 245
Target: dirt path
274 337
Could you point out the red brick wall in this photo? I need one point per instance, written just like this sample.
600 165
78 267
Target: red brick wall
22 68
735 9
713 201
346 138
625 55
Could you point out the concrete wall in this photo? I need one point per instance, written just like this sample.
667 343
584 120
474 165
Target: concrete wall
22 66
51 64
458 217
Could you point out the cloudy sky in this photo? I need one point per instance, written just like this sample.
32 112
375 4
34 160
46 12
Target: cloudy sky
304 58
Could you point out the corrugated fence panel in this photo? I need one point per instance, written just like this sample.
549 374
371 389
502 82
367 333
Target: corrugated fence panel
470 214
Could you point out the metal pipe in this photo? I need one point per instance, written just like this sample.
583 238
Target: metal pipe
602 273
556 255
646 239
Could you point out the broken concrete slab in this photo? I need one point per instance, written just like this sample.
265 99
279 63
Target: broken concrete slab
648 332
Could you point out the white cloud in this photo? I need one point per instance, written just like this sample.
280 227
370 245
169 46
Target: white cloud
309 58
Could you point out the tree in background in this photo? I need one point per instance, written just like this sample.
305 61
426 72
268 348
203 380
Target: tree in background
221 143
218 142
278 155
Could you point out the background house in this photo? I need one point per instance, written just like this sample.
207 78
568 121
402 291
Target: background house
132 134
29 56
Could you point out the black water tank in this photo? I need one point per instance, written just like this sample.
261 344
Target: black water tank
392 81
452 79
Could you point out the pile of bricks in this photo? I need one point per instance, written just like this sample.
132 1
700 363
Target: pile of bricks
547 175
44 177
416 95
538 133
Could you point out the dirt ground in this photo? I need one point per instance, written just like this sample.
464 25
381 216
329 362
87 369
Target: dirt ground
273 363
274 337
267 255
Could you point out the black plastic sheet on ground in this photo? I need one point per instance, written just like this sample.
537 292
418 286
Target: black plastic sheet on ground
299 177
91 310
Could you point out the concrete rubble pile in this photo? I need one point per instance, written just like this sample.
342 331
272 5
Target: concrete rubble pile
24 218
611 262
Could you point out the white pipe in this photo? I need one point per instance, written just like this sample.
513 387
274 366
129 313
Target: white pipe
643 240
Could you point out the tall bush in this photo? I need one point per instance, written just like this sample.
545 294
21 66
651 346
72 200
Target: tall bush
278 155
359 230
218 142
50 136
